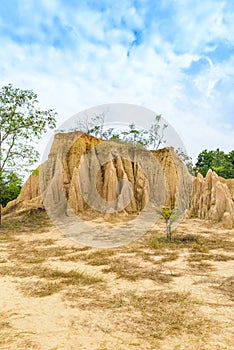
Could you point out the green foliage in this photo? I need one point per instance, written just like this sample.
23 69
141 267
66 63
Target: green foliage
220 162
36 172
92 125
152 138
185 159
134 136
230 157
21 123
10 188
156 133
169 215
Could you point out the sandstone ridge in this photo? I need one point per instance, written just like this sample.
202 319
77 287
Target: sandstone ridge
213 199
122 171
121 168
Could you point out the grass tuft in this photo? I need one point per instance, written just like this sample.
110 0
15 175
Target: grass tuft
39 288
33 220
226 286
133 272
157 314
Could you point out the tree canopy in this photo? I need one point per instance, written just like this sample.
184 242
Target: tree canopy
22 122
95 126
10 187
219 161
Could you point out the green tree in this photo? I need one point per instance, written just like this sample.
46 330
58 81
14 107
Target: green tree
230 157
169 215
95 126
10 188
185 159
92 125
135 136
156 133
21 123
220 162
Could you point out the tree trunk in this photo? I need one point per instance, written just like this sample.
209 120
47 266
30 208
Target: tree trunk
168 226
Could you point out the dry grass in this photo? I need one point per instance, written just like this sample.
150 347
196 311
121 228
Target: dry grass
155 314
212 257
169 313
34 220
201 266
94 258
160 243
10 338
98 257
169 257
40 288
195 243
6 236
87 297
139 310
225 286
33 252
4 322
68 277
133 271
5 330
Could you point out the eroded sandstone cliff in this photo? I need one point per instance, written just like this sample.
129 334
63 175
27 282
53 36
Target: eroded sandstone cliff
84 174
213 199
115 172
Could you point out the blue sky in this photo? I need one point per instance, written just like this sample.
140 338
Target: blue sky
173 57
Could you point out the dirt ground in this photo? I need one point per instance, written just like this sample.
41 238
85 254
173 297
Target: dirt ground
148 295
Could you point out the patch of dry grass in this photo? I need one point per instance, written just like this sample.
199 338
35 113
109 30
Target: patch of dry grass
159 242
95 258
86 297
201 266
40 288
5 329
226 286
133 271
223 285
51 280
213 257
151 316
157 257
195 243
221 257
98 257
10 338
34 220
31 252
154 315
4 322
168 313
169 257
43 242
6 236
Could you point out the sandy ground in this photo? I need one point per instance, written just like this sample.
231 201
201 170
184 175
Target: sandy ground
109 307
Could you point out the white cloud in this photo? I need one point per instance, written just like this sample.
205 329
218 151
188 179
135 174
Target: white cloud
93 68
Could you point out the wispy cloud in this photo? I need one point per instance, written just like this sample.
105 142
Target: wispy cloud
174 57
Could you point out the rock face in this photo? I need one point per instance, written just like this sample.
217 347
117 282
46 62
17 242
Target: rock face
123 178
84 174
213 199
